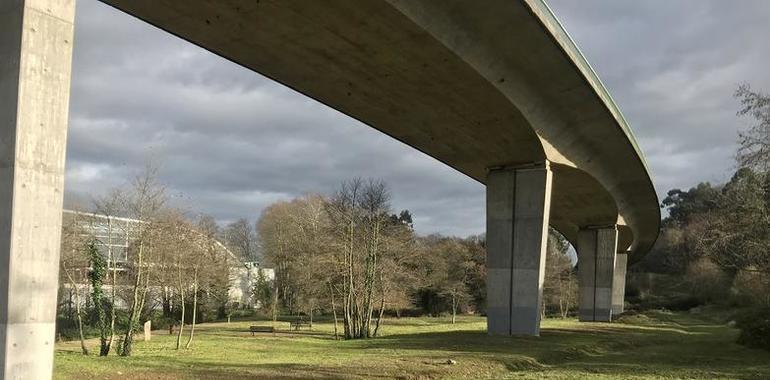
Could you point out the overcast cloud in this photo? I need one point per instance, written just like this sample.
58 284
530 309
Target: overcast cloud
231 142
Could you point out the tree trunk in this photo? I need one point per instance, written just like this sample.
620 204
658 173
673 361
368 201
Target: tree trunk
379 316
181 320
128 339
311 318
454 308
166 303
562 295
195 308
350 330
181 303
334 312
382 305
371 269
112 308
114 282
275 301
83 348
69 305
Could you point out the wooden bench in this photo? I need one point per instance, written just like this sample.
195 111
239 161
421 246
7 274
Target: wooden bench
261 329
296 325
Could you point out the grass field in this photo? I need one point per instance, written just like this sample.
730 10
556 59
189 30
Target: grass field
652 346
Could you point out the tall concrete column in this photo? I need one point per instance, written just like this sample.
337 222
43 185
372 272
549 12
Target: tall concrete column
596 264
619 284
35 64
518 206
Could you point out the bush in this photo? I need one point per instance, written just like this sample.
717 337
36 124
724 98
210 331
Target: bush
755 328
67 329
683 303
160 322
246 314
750 289
708 283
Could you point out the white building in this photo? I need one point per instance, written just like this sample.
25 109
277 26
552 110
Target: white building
242 281
113 237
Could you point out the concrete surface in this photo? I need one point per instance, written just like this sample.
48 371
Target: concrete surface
35 65
596 248
619 284
476 87
518 202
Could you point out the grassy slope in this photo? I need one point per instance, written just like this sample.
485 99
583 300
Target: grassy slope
658 346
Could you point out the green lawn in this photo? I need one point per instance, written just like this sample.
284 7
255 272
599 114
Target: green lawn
652 346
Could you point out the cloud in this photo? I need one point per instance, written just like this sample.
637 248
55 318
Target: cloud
673 67
231 141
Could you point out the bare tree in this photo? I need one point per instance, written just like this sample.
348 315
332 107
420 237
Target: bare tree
560 283
359 213
73 259
204 262
110 206
754 143
345 252
241 239
144 201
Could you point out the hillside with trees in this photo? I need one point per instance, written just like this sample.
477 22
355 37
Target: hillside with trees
714 247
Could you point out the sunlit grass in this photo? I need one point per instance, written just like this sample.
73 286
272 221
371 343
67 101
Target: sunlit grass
658 345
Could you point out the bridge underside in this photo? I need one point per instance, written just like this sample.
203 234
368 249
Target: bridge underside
499 92
414 73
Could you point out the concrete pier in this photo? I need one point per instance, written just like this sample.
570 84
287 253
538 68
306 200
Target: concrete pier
518 206
35 66
596 264
619 284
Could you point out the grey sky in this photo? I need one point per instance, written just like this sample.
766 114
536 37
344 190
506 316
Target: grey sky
231 142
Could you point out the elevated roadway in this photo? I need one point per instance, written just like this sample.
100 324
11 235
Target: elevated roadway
495 89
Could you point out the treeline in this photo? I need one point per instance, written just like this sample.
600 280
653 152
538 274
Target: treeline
349 256
715 241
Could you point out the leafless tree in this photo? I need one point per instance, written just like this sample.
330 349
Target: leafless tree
240 237
560 284
754 143
338 252
144 200
74 260
110 206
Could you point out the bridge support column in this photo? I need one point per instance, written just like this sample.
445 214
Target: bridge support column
619 284
596 264
518 206
35 66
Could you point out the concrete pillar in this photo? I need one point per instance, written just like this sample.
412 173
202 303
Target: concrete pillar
35 64
596 264
619 284
518 205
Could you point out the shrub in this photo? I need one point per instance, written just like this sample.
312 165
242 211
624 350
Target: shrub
160 322
67 329
750 289
755 328
708 283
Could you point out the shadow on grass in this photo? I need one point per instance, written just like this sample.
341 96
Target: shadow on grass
160 369
684 350
672 348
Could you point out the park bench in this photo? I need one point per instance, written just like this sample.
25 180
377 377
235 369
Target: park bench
261 329
296 325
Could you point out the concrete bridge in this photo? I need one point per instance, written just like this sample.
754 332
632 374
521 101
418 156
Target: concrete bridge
496 90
